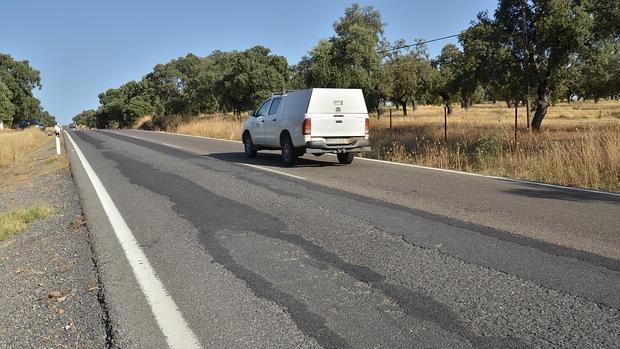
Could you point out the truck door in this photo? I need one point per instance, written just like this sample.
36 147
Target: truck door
258 134
272 123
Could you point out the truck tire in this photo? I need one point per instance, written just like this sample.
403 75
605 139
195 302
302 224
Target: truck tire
289 153
248 147
345 158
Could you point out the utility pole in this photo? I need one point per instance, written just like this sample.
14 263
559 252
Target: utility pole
526 64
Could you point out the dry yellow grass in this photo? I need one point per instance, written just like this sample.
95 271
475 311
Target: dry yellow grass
25 155
14 145
216 126
579 144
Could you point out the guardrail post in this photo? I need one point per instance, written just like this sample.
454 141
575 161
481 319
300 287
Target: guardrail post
57 132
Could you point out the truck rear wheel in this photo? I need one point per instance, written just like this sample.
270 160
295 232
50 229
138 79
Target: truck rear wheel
345 158
289 153
248 147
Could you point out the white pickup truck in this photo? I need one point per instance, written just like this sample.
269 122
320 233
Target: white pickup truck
315 121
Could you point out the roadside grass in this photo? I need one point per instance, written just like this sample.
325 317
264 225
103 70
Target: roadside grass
14 145
578 146
216 126
25 155
17 220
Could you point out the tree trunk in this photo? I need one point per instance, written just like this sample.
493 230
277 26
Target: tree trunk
509 103
449 106
467 104
404 108
596 99
414 105
542 103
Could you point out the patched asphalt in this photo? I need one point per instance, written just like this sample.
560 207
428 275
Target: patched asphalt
258 259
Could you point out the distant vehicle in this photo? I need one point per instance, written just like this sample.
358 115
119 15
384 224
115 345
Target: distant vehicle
314 121
27 123
72 126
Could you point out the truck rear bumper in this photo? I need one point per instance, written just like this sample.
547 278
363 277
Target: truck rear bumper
320 146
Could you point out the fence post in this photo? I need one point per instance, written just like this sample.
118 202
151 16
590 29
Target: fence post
390 122
516 106
445 124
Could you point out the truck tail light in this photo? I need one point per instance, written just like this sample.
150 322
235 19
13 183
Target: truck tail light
307 128
367 126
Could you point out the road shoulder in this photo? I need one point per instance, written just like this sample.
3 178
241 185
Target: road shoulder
51 294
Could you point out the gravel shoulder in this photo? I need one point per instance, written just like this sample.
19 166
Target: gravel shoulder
49 296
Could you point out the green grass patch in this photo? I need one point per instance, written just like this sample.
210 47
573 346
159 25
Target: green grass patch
17 220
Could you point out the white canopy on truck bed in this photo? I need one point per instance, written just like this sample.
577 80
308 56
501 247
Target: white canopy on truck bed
325 101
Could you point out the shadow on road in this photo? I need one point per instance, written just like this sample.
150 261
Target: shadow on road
538 192
274 160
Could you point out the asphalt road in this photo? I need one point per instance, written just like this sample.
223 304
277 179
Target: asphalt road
365 255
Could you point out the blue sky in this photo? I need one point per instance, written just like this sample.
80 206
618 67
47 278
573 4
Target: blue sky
84 47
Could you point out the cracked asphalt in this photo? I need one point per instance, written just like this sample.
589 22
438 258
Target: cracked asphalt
359 256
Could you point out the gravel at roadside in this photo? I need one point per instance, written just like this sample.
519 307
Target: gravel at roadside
49 289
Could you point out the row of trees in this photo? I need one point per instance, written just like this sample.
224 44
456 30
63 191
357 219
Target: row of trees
223 81
542 50
17 81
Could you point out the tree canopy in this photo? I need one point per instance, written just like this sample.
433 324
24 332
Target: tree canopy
17 80
540 50
535 48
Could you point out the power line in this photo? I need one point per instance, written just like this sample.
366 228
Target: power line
417 44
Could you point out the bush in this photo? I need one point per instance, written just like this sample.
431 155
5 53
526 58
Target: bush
148 125
484 150
168 123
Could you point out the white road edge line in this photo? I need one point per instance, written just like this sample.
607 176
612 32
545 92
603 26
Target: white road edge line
523 181
169 318
274 171
172 146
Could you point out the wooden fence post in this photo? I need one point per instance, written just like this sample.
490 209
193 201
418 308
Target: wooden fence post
445 124
516 112
390 122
